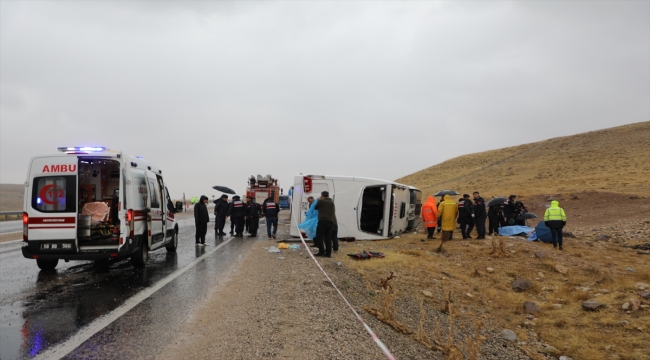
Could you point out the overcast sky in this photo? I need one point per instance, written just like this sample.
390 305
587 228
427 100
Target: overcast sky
213 92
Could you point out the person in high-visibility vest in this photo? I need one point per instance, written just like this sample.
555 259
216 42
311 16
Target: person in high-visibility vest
429 214
555 219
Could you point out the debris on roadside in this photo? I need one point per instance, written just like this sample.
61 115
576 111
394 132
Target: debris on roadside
365 254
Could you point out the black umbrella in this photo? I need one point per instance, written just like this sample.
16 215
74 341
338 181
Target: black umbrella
495 201
445 192
224 189
526 216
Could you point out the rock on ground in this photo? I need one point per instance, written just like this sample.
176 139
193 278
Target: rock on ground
591 305
521 285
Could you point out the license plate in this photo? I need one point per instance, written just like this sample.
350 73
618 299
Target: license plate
58 246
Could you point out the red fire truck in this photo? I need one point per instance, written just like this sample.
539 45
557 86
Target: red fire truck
263 187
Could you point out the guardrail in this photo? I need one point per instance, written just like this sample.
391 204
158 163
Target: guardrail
8 214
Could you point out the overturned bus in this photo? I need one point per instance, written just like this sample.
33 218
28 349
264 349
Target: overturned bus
366 209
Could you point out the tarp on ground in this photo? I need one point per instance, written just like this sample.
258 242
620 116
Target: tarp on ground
311 221
543 233
515 230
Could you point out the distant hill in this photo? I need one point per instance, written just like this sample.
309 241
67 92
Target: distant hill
615 160
11 197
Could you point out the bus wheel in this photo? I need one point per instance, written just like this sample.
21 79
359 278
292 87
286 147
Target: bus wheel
140 258
47 264
171 247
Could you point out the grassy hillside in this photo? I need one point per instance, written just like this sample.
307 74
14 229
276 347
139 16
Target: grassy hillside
613 160
11 197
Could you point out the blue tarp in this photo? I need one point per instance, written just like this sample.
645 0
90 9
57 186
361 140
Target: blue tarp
543 233
311 221
515 230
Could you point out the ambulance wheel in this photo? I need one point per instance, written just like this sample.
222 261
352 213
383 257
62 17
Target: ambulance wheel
171 247
140 258
47 264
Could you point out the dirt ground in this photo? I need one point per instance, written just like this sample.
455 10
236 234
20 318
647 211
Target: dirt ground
282 306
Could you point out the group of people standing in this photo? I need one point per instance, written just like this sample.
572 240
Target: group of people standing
468 214
243 216
448 213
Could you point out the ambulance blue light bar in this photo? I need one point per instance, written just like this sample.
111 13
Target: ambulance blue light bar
83 148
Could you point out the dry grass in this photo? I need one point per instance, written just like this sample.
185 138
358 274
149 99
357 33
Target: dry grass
583 162
11 197
570 329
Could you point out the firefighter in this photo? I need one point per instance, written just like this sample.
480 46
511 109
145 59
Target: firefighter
447 213
465 214
220 213
271 209
430 216
479 215
237 212
253 211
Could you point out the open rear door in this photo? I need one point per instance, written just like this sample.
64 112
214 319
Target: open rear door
156 209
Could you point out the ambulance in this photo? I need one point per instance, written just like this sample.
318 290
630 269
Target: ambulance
91 203
366 208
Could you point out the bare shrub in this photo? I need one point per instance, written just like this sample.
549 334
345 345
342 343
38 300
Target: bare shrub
500 249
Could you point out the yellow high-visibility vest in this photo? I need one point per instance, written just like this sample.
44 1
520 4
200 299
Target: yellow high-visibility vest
554 213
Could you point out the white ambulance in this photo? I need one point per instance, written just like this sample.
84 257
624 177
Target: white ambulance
90 203
366 209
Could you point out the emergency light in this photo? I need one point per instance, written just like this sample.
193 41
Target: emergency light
83 148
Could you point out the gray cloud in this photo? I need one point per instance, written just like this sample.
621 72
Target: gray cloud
216 91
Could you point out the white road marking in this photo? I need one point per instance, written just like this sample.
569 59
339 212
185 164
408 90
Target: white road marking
64 348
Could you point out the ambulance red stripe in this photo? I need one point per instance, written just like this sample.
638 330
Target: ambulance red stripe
52 220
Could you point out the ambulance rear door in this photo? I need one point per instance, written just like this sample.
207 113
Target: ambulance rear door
51 201
156 215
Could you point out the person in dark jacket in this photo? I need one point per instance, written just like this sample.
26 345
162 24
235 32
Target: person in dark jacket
271 209
237 213
510 210
253 211
521 209
479 215
465 214
493 219
220 213
326 220
201 219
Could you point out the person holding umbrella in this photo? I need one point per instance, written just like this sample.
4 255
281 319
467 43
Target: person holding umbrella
521 209
510 210
555 219
442 194
447 212
429 214
220 212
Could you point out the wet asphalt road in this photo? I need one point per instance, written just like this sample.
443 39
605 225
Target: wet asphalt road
11 226
40 309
